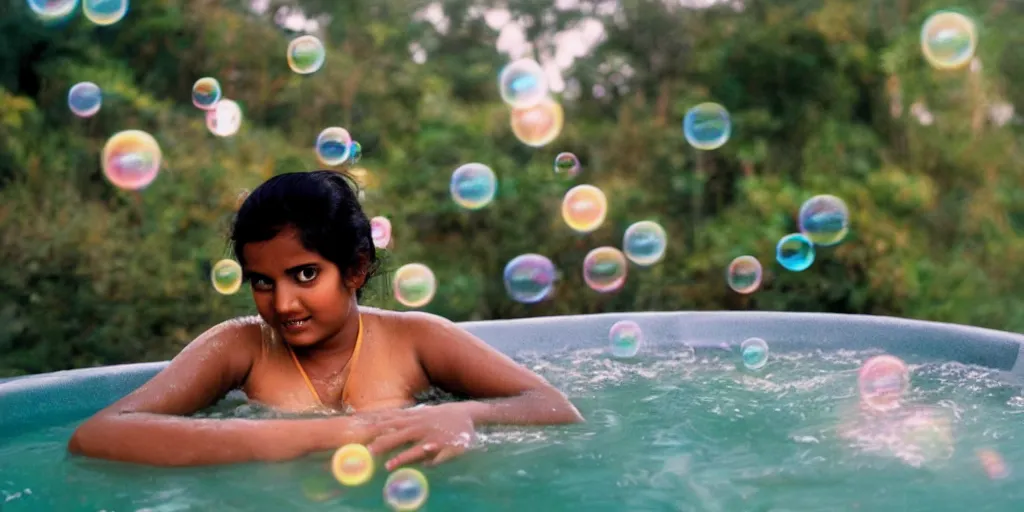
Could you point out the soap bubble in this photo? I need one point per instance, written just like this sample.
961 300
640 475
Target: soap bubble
644 243
104 12
131 159
306 54
226 276
948 40
333 146
626 338
882 381
53 11
744 274
380 231
795 252
522 83
225 119
529 278
206 93
755 353
473 186
707 126
604 269
414 285
355 152
584 208
405 490
824 219
352 465
85 99
538 125
567 164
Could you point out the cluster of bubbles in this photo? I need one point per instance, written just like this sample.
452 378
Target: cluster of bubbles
405 489
99 12
536 119
626 338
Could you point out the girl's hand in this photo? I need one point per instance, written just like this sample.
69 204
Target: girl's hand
438 433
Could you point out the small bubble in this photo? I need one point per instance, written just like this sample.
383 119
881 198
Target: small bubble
356 152
406 490
380 232
824 219
605 269
755 353
707 126
104 12
522 83
626 338
226 276
948 40
333 146
206 92
744 274
224 119
584 208
352 465
882 381
131 159
529 278
473 186
538 125
85 99
567 164
306 54
644 243
795 252
414 285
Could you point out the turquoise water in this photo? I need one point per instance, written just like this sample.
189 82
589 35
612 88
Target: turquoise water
665 432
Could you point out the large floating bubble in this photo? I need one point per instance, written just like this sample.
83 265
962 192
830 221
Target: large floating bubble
206 93
380 232
644 243
882 381
744 274
522 83
226 276
473 186
225 119
707 126
352 465
754 352
529 278
104 12
538 125
567 164
85 99
626 338
406 490
795 252
414 285
131 159
333 146
948 40
584 208
824 219
604 269
306 54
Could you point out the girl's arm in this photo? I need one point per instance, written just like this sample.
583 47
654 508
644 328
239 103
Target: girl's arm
148 426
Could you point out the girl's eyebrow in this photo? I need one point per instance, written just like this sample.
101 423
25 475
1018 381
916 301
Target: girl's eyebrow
296 268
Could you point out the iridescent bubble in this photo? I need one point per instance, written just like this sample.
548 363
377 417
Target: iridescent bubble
584 208
104 12
744 274
414 285
355 152
948 40
795 252
85 99
604 269
522 83
53 11
225 119
131 159
755 353
206 93
707 126
567 164
644 243
473 186
824 219
538 125
306 54
352 465
529 278
405 490
882 381
333 146
226 276
626 338
380 231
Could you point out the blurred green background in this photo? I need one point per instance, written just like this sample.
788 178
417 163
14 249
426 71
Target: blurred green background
826 96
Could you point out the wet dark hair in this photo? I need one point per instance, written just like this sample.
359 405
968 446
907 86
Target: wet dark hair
322 207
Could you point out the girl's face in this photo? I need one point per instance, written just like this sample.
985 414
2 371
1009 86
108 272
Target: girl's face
298 292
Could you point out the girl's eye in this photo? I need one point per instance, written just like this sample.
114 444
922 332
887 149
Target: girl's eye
306 275
261 283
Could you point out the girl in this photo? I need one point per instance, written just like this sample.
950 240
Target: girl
305 247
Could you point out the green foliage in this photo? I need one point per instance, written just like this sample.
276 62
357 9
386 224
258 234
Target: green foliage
824 96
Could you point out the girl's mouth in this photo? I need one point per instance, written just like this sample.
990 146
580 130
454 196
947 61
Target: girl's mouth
296 325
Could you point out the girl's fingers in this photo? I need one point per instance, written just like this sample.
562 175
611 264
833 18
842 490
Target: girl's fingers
446 454
390 441
414 454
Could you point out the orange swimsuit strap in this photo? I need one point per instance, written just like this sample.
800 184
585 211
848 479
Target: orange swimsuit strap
351 364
